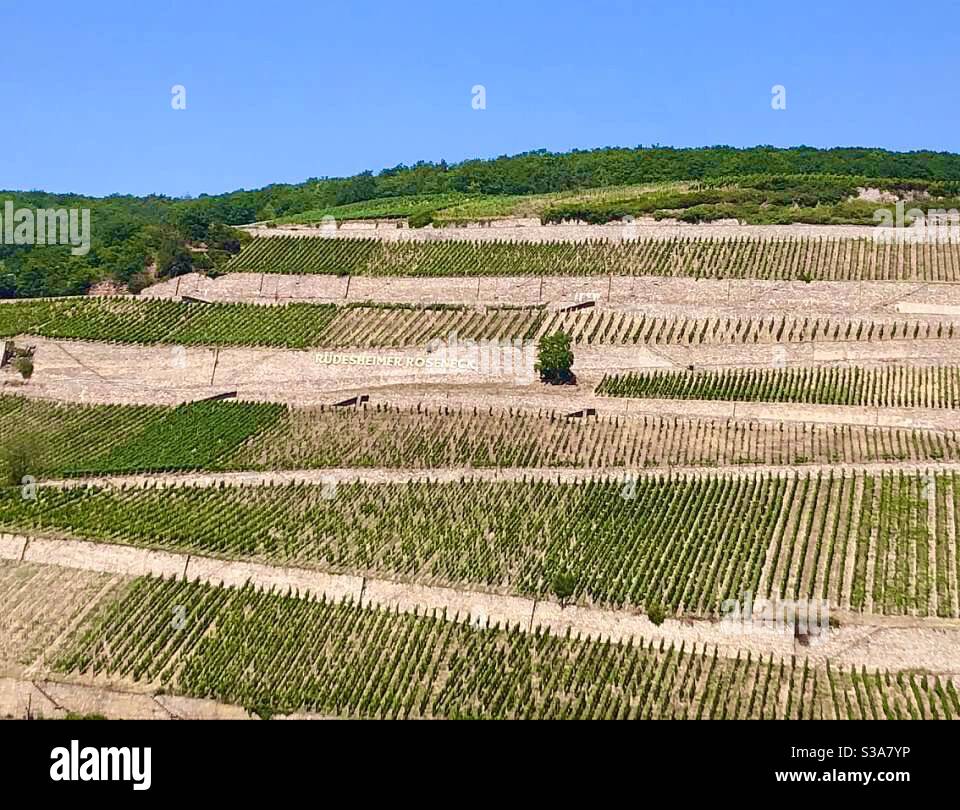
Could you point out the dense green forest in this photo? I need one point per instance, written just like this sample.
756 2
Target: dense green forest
138 239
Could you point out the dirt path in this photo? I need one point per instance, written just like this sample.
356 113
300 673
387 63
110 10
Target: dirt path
444 475
22 697
861 641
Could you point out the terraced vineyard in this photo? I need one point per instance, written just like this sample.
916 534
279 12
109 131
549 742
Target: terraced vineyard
295 326
97 439
400 326
779 259
369 325
432 505
384 208
77 439
130 320
38 603
886 386
421 438
606 327
279 654
883 543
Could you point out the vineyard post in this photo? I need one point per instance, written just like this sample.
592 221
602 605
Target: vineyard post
216 359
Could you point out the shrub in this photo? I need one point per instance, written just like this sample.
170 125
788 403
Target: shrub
139 281
656 612
563 586
24 365
421 219
555 359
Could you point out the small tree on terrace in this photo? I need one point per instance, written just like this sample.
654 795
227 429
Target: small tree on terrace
563 586
656 612
555 359
24 366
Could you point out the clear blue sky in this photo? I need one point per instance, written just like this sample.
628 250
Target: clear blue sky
278 92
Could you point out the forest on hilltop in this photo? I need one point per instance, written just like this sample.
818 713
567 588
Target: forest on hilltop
136 240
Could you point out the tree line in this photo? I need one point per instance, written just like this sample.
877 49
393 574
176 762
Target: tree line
139 239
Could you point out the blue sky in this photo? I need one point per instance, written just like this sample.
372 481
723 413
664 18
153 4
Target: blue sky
278 92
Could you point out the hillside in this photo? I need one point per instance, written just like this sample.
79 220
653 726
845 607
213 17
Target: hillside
138 240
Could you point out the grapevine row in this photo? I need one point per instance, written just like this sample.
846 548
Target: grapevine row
417 437
685 542
277 654
742 257
368 325
72 439
887 386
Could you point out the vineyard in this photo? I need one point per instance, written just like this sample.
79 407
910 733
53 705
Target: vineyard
635 509
448 208
806 259
883 387
189 437
74 440
295 326
604 327
419 438
761 199
91 439
480 209
383 208
128 320
370 325
879 543
38 603
401 326
619 433
276 654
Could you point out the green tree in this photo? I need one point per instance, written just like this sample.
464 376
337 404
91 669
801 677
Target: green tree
19 456
657 613
563 586
267 213
173 257
555 359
